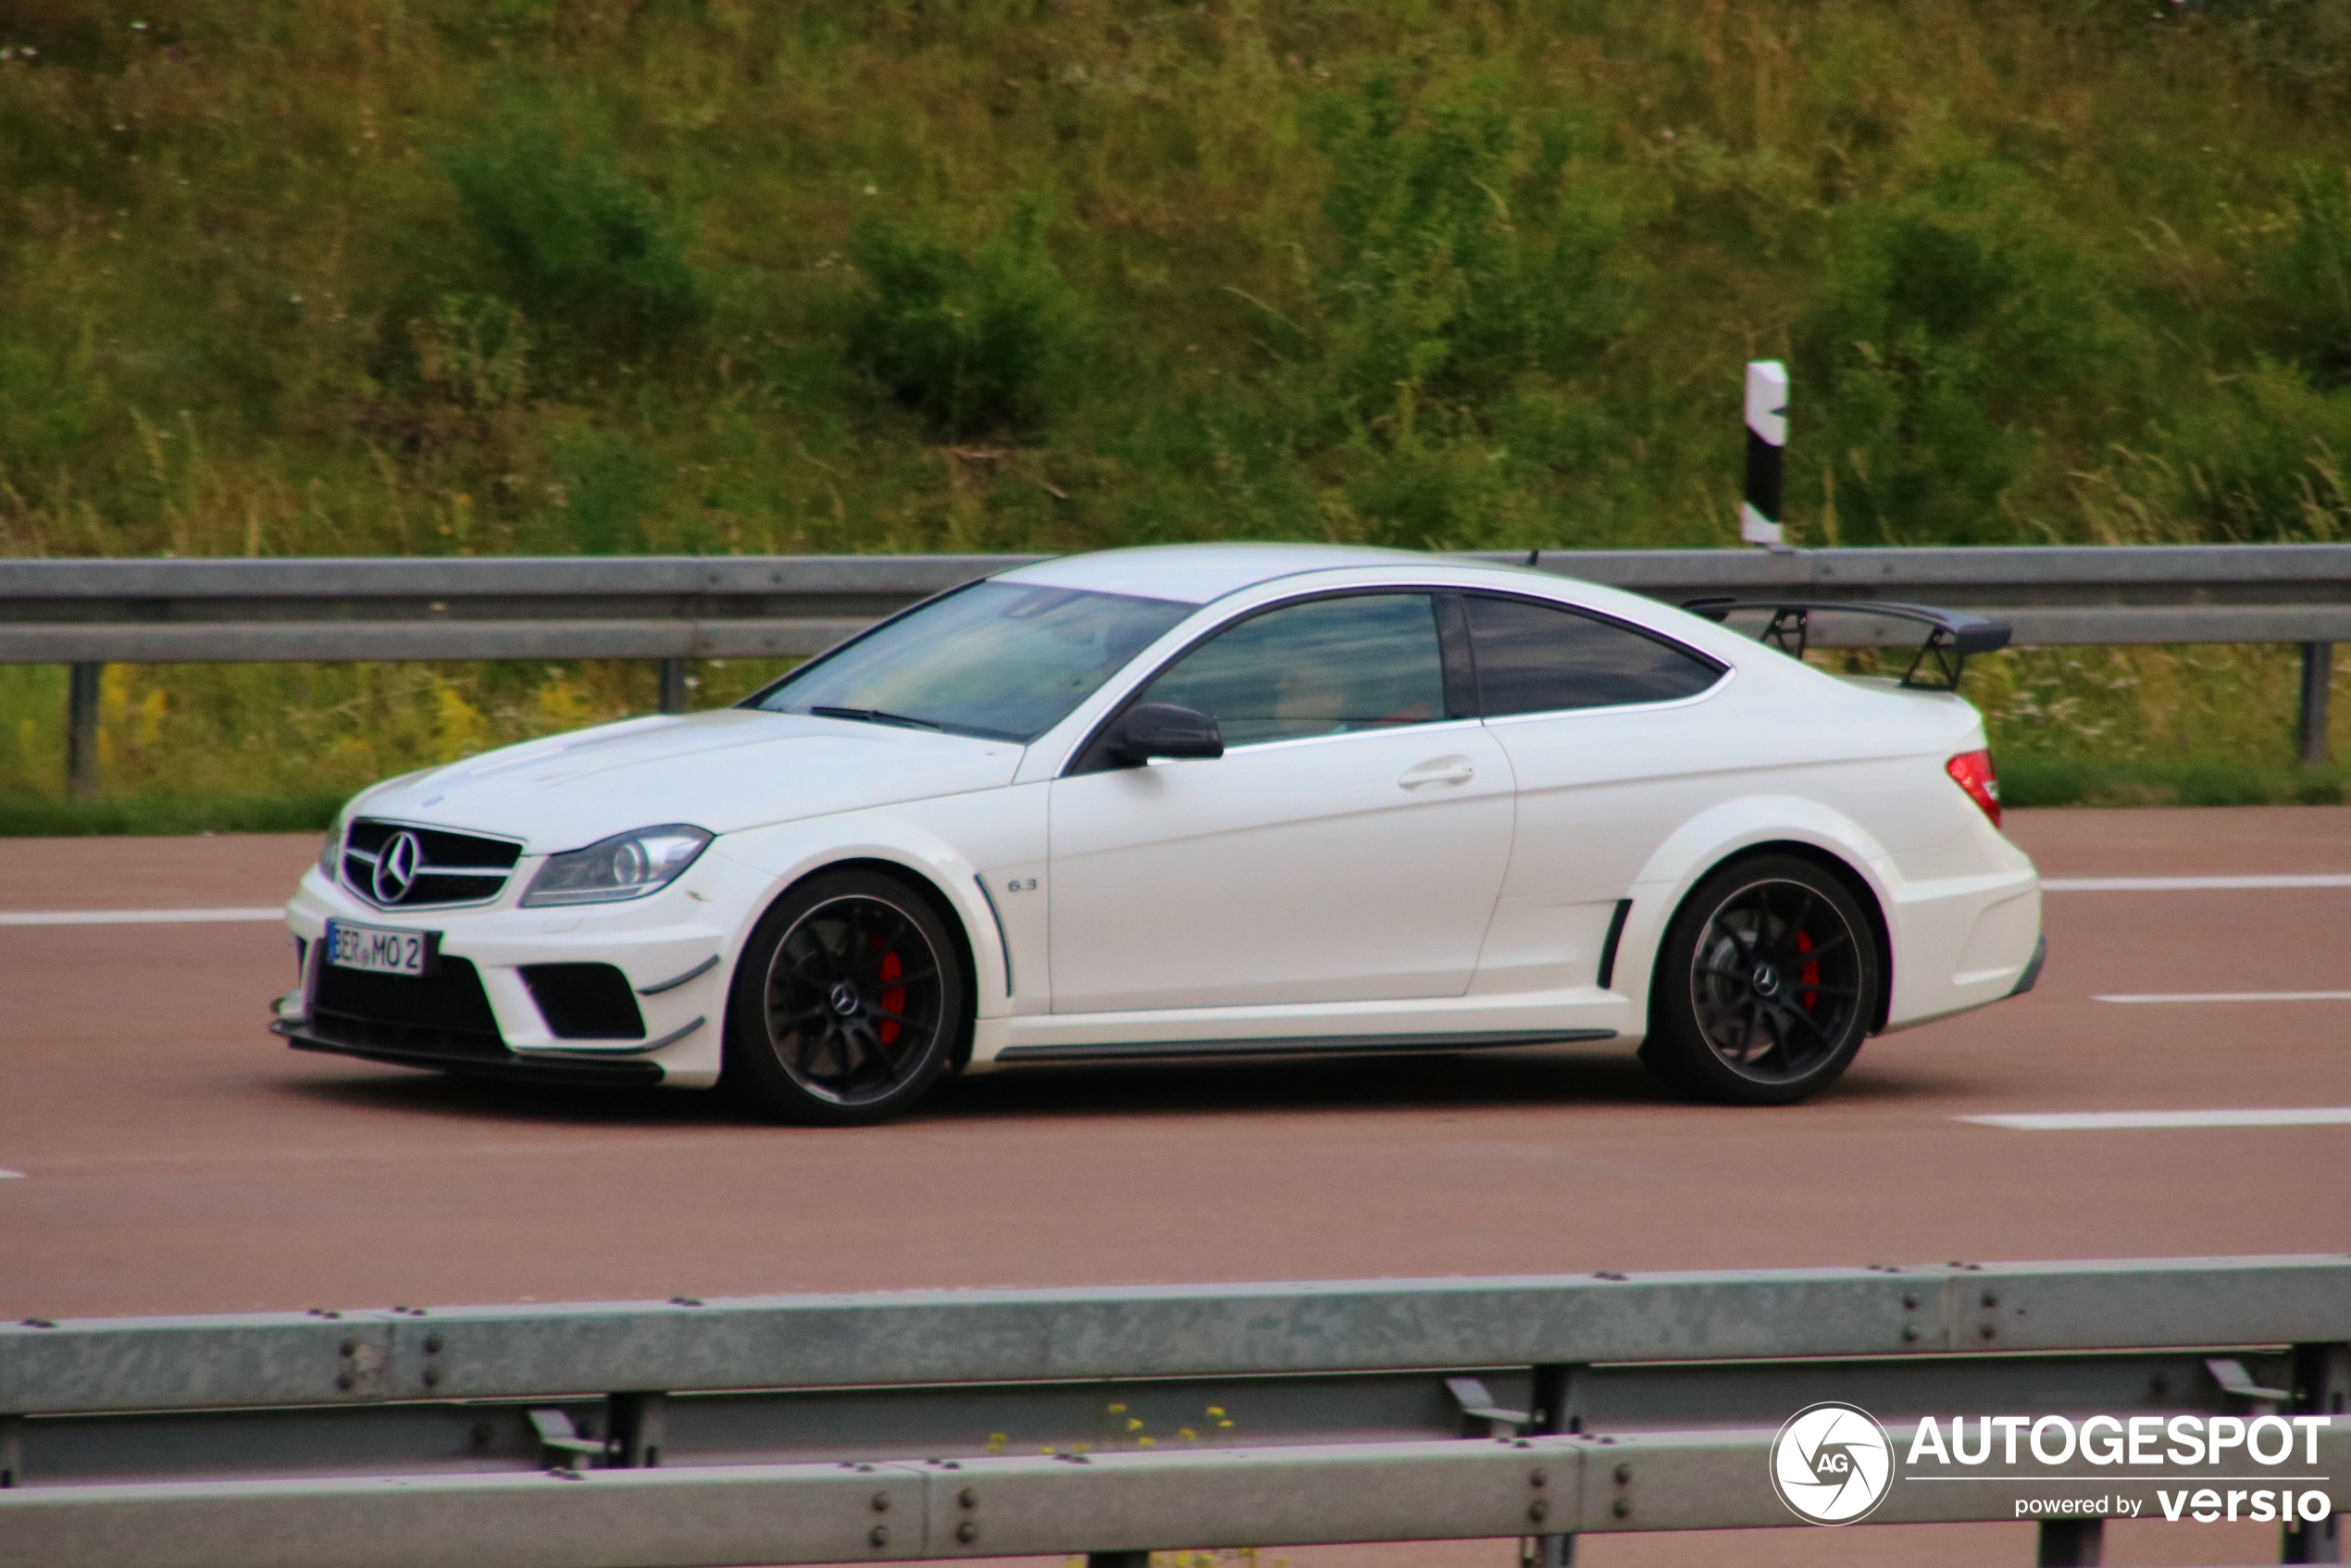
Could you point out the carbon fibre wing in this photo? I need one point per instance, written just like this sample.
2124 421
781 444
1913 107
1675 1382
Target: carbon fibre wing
1951 635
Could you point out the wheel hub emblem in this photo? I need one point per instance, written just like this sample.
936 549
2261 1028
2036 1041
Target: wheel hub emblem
843 998
396 867
1766 981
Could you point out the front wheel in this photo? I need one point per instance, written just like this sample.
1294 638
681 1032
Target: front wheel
849 1001
1767 982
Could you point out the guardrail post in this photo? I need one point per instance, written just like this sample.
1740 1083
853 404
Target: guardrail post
673 686
1557 1401
2321 1387
635 1424
2071 1543
82 730
11 1448
2318 682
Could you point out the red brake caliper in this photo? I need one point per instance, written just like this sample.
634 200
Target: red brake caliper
893 999
1811 973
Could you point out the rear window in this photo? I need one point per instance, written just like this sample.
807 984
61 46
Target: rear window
1536 658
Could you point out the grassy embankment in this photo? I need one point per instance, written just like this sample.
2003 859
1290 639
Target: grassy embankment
491 275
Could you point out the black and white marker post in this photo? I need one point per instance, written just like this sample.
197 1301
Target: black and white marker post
1766 454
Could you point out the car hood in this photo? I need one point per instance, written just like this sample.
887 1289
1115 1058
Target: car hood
722 771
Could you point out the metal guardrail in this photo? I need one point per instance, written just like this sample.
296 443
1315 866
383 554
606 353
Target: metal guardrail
89 614
687 606
555 607
1111 1422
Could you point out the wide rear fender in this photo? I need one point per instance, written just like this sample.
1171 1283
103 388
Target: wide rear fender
1717 834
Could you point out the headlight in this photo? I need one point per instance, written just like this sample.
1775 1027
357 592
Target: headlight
330 853
627 865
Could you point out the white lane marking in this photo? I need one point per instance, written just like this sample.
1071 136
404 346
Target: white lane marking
11 1175
2183 884
2073 1121
2048 885
137 916
2229 996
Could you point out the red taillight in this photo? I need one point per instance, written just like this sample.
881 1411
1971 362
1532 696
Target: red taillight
1972 771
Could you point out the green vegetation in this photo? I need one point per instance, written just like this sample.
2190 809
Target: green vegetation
2037 780
539 276
167 811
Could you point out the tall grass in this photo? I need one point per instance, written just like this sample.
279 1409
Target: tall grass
488 276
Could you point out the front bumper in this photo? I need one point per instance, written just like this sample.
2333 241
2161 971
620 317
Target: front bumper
499 1002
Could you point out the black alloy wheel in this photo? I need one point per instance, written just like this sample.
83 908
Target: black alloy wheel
1767 983
849 1001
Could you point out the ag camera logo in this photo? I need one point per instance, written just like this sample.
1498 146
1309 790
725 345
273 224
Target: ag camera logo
1831 1464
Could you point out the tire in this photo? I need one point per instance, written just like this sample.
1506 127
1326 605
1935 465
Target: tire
1768 980
848 1003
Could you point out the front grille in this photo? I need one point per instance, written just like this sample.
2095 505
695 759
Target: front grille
584 1001
443 1014
426 865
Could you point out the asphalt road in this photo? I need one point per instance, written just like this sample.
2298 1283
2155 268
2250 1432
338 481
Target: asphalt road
175 1158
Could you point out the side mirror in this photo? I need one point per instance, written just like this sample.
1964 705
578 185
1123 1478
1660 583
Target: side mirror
1163 730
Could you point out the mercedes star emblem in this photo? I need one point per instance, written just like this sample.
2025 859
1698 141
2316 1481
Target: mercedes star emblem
396 867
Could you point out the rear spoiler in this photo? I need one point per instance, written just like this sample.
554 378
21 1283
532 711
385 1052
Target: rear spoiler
1951 635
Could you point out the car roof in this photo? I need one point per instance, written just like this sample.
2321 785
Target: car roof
1201 574
1195 574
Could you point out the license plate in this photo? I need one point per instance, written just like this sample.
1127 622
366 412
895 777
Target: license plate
382 951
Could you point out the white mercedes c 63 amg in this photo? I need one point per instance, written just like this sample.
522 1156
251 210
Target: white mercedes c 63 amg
1200 801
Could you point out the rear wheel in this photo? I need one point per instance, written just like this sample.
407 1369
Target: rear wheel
1767 982
849 1001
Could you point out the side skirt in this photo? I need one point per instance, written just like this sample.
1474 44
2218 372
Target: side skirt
1322 1045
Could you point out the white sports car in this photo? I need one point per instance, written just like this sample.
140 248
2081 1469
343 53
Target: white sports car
1192 801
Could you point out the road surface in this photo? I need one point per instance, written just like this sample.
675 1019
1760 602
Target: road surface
174 1157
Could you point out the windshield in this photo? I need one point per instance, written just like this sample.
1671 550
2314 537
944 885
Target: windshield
1002 660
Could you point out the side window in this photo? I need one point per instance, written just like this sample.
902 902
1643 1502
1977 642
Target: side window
1539 658
1365 662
